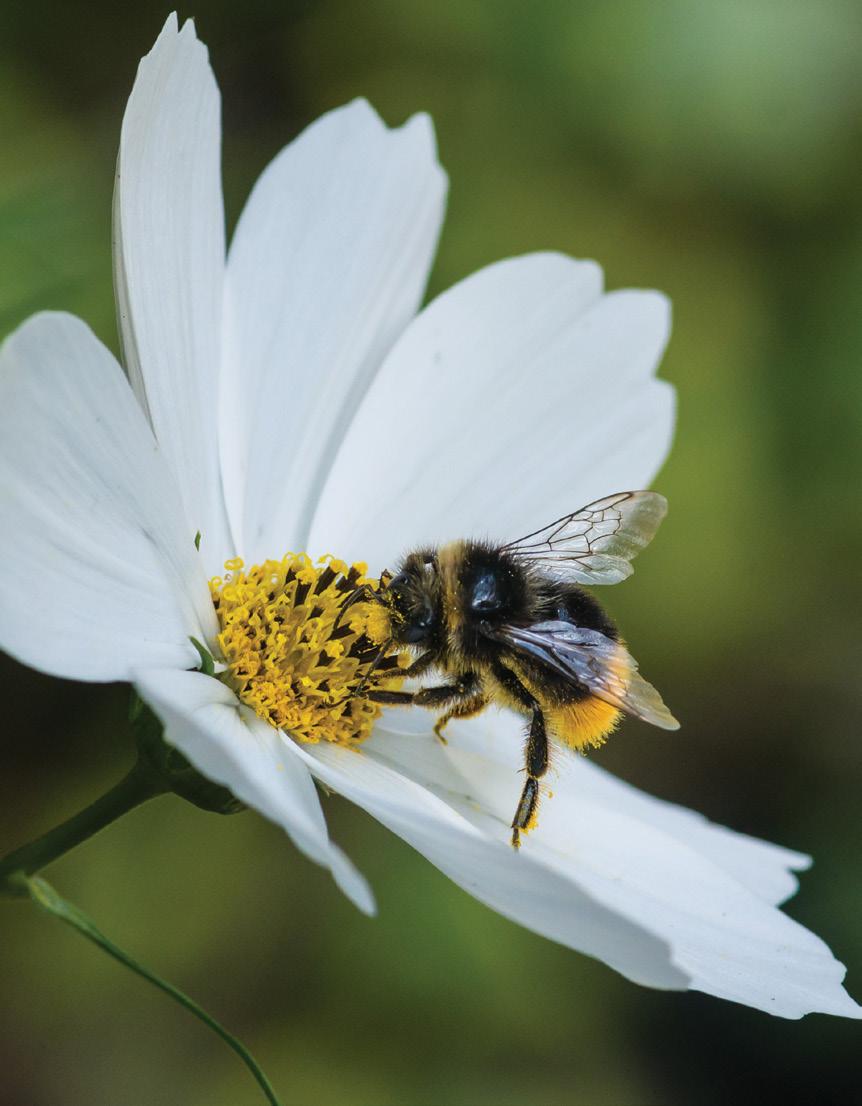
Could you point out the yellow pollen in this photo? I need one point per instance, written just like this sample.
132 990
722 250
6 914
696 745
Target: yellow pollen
288 660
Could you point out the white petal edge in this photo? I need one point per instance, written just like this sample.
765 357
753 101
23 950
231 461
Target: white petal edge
169 258
100 573
328 264
765 869
520 394
229 744
662 867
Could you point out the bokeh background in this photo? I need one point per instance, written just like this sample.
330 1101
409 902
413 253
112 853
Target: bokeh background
710 149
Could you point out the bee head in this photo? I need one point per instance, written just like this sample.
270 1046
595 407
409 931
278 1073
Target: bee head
413 598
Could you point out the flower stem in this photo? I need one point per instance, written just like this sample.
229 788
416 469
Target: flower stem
135 788
17 880
46 897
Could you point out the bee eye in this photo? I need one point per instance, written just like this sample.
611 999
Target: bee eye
418 631
485 597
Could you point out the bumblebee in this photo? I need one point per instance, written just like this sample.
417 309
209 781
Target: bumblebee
511 624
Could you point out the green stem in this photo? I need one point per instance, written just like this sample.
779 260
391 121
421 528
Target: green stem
146 780
138 786
45 896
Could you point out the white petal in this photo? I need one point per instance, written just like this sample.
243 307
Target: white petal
233 747
705 891
761 867
328 263
518 396
100 572
169 266
764 868
488 868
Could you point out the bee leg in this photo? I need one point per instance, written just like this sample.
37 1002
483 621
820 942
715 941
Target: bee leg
400 698
535 753
465 709
404 697
463 696
465 687
536 764
420 665
461 692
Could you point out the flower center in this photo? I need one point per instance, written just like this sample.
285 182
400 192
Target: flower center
291 659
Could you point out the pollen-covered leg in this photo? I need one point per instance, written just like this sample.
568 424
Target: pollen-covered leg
536 765
525 815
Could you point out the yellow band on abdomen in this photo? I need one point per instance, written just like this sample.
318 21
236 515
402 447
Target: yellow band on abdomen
584 724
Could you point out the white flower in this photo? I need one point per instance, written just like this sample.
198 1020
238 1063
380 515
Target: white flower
287 398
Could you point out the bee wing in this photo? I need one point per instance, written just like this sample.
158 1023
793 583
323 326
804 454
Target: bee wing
596 544
587 657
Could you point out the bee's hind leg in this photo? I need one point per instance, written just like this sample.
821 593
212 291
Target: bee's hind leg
535 764
535 753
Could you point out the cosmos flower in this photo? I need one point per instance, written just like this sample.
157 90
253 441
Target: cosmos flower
287 396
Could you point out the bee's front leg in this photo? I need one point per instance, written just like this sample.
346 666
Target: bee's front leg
392 698
405 698
420 665
399 698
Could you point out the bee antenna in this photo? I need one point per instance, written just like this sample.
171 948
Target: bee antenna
365 593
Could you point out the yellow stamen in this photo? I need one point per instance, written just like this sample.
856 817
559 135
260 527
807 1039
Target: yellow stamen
287 659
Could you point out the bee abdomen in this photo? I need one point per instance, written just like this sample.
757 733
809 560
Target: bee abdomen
583 724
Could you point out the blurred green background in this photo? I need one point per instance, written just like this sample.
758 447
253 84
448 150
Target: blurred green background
710 149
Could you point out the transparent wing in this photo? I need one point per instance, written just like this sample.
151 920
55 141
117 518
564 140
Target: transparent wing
596 544
588 658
